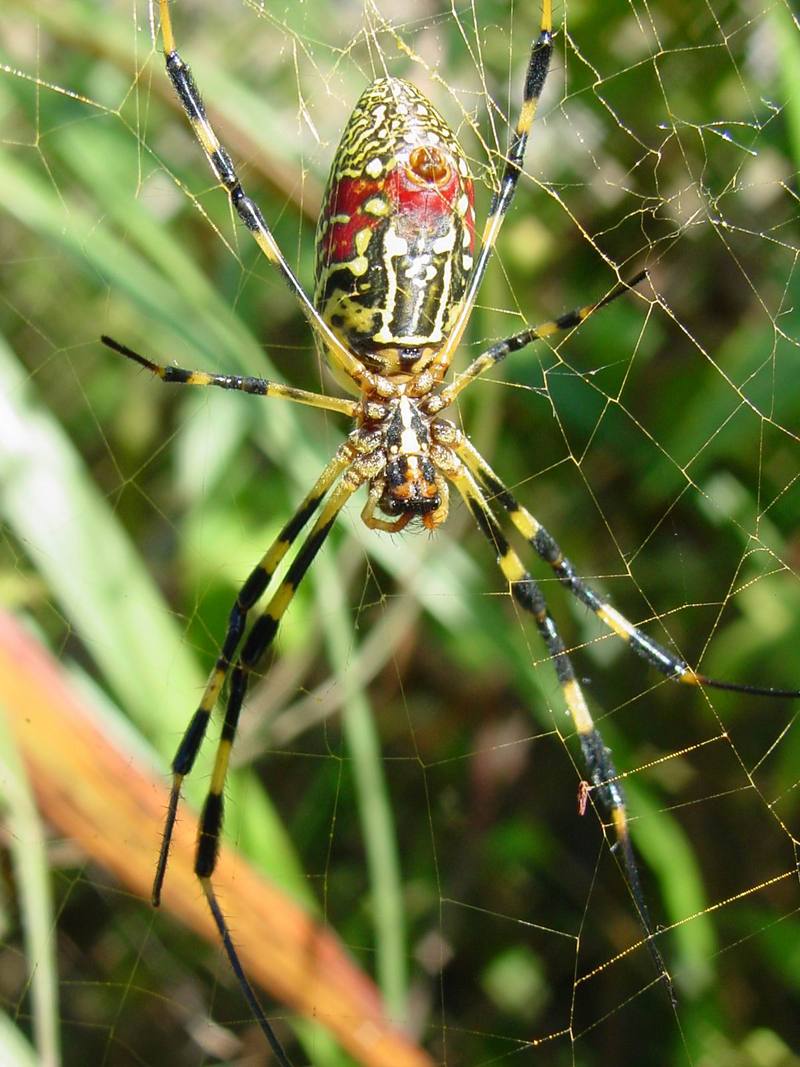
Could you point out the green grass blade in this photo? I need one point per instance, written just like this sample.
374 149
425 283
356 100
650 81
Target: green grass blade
28 850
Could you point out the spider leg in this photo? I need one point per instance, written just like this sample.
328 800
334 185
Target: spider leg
241 977
602 773
535 77
259 386
248 211
498 351
544 544
250 593
258 641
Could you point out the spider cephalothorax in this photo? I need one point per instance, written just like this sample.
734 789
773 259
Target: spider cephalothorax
404 463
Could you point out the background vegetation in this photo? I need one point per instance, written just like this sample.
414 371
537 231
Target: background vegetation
434 825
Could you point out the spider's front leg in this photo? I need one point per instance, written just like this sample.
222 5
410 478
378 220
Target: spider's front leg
601 771
250 593
547 548
257 642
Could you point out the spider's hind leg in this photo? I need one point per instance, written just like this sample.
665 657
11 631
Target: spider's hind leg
248 211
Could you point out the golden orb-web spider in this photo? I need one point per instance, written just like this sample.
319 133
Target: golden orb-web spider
397 276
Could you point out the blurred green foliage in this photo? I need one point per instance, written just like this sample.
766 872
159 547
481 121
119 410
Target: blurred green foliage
658 443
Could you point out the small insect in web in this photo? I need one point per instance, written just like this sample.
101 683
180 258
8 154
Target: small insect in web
398 269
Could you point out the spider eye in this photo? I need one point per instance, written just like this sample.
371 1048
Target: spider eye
410 487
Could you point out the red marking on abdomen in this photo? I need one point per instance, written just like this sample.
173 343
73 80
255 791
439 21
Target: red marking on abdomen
415 208
427 207
347 197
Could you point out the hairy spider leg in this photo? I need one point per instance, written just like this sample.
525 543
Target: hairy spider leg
245 384
674 667
258 641
244 982
248 211
261 636
249 594
535 76
602 772
498 351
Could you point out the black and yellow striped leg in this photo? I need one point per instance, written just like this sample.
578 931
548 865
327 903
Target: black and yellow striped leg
255 646
672 666
535 77
247 210
601 771
261 636
498 351
244 384
250 593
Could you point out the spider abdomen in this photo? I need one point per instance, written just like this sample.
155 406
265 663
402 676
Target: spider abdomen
397 230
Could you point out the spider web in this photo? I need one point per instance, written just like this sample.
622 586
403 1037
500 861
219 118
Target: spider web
434 826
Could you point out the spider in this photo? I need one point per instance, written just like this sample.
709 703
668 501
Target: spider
397 276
